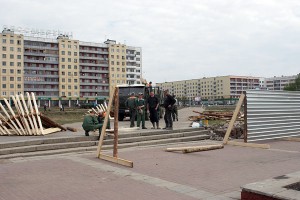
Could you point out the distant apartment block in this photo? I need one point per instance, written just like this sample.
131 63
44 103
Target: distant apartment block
212 88
278 83
64 68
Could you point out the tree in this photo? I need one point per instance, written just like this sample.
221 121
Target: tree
294 86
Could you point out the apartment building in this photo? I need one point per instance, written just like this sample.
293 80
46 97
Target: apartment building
62 68
12 64
278 83
211 88
133 65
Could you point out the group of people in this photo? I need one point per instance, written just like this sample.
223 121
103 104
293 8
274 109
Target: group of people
137 109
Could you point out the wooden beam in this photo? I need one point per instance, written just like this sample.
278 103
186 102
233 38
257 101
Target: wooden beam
32 114
116 122
37 113
103 132
196 148
12 125
27 114
117 160
292 139
234 116
51 130
253 145
20 127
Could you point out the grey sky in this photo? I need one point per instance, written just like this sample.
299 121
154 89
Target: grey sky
180 39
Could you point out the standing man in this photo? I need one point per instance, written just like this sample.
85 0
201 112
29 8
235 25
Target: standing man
90 123
152 106
175 110
141 111
131 104
168 104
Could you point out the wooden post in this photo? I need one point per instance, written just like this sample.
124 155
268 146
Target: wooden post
234 116
245 118
116 122
103 131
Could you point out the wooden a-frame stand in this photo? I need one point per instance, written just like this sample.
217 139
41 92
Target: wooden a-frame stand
114 96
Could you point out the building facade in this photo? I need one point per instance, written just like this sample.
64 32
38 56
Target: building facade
278 83
212 88
63 68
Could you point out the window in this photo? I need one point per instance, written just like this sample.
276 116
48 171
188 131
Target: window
3 78
117 56
75 87
63 59
11 48
19 86
63 45
4 41
75 60
63 73
69 80
3 55
69 59
75 81
63 66
11 85
19 42
19 71
19 56
11 71
69 94
3 48
19 50
118 63
3 85
11 64
112 56
19 79
3 63
11 41
69 53
62 52
3 93
69 46
69 87
11 56
69 74
75 73
75 66
3 71
63 80
19 64
69 66
75 53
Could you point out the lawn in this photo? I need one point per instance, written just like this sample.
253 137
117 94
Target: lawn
69 115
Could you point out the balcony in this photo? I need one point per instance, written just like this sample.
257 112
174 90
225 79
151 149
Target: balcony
40 54
92 58
94 71
41 61
92 51
94 84
42 75
40 47
41 83
41 68
94 64
93 90
91 77
40 89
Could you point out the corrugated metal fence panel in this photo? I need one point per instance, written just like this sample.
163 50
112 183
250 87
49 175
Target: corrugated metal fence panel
272 115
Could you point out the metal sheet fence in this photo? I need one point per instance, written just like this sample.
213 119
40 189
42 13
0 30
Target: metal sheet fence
272 115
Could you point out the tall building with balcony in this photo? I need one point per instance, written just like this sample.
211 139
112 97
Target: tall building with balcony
62 68
12 64
133 65
278 83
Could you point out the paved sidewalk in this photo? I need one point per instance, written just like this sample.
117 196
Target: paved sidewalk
216 174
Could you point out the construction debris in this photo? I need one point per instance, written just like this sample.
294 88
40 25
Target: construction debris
217 132
27 120
215 115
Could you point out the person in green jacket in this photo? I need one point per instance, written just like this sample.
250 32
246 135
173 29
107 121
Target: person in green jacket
131 105
141 111
91 123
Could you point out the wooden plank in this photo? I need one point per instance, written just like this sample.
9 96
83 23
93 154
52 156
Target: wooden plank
242 144
116 122
37 113
103 132
32 114
292 139
47 120
196 148
71 129
23 115
20 127
236 112
22 118
51 130
12 125
32 130
245 118
117 160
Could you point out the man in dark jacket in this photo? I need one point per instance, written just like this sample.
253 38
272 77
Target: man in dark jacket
131 104
152 106
90 123
169 101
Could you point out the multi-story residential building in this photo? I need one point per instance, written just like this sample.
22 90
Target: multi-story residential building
12 64
133 65
278 83
212 88
62 68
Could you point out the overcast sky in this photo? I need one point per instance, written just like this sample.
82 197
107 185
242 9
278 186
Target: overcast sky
179 39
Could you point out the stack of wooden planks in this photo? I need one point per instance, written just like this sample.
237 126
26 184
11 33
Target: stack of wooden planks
26 119
215 115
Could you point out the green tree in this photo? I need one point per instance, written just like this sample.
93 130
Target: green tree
294 86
